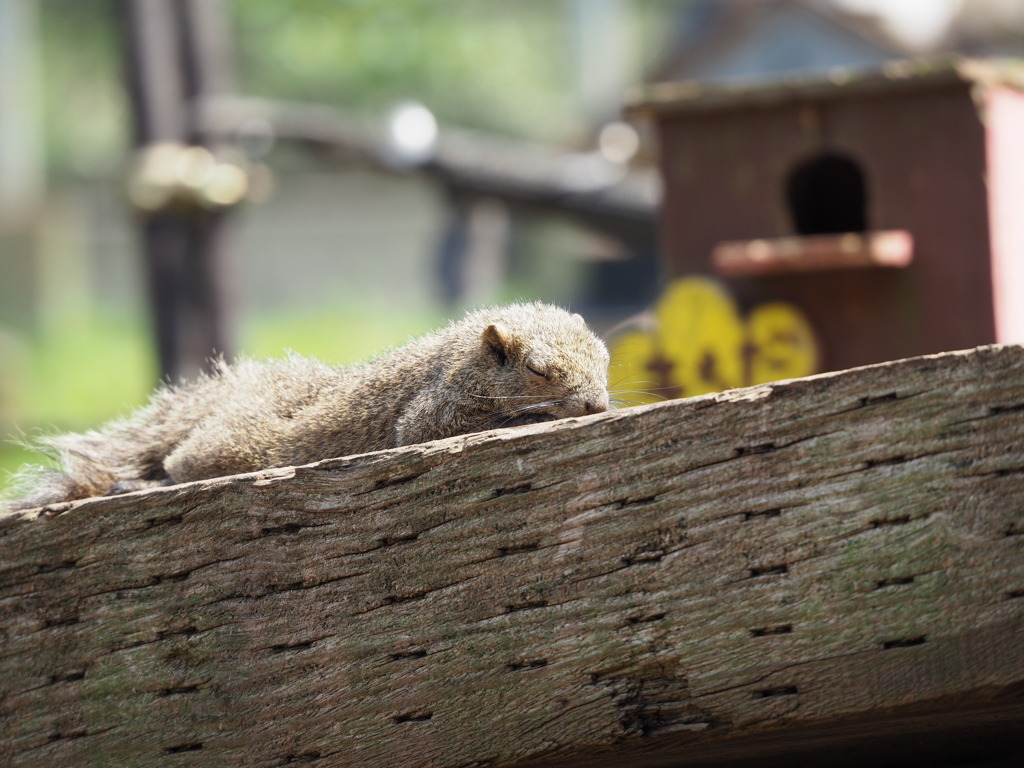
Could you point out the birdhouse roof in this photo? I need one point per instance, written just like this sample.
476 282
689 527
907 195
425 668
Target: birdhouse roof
903 75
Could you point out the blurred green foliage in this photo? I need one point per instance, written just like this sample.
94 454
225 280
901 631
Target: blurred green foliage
494 65
502 66
84 106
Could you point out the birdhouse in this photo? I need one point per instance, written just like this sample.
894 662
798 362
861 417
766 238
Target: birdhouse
836 220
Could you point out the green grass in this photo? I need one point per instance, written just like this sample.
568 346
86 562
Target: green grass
75 374
80 373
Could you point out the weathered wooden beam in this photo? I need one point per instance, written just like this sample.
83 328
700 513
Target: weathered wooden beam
830 566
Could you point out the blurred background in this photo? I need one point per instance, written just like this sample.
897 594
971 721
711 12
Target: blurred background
333 176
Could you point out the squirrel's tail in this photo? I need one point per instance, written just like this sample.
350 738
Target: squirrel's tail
86 467
81 473
125 454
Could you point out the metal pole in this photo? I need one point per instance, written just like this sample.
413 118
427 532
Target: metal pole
172 60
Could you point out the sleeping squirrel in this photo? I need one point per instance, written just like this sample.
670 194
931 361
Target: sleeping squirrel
497 367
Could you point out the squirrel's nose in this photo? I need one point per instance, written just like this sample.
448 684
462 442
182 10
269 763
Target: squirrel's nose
592 407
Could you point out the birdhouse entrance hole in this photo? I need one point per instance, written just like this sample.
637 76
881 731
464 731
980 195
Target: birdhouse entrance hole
827 200
826 195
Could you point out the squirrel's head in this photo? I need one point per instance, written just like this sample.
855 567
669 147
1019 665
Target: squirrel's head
545 364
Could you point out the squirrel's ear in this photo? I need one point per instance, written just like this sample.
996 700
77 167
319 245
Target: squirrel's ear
497 341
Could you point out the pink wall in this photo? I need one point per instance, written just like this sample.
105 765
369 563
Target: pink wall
1004 110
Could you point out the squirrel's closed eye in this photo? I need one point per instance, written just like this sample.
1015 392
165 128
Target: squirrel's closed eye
537 371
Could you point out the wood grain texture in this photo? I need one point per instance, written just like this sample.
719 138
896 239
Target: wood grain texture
833 563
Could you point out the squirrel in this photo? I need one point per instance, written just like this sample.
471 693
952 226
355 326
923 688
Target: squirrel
496 367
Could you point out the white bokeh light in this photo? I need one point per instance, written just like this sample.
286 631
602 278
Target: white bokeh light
413 130
916 23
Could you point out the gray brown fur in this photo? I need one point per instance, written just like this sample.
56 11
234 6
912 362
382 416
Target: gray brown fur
496 367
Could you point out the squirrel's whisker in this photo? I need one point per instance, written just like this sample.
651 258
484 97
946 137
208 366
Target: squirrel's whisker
537 406
504 397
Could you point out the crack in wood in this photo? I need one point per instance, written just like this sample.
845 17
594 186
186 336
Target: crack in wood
523 549
904 460
395 599
158 579
518 549
632 621
776 692
767 570
518 666
302 757
998 410
780 669
178 749
186 631
298 586
292 647
168 578
909 642
602 574
182 507
640 502
69 736
51 567
754 450
884 399
648 556
888 397
181 690
412 653
885 522
758 449
412 717
895 581
78 733
52 680
279 530
156 522
289 586
778 629
513 489
887 462
67 677
391 482
529 605
399 539
405 538
1006 472
763 513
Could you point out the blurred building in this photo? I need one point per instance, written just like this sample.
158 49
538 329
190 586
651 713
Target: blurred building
754 39
765 38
